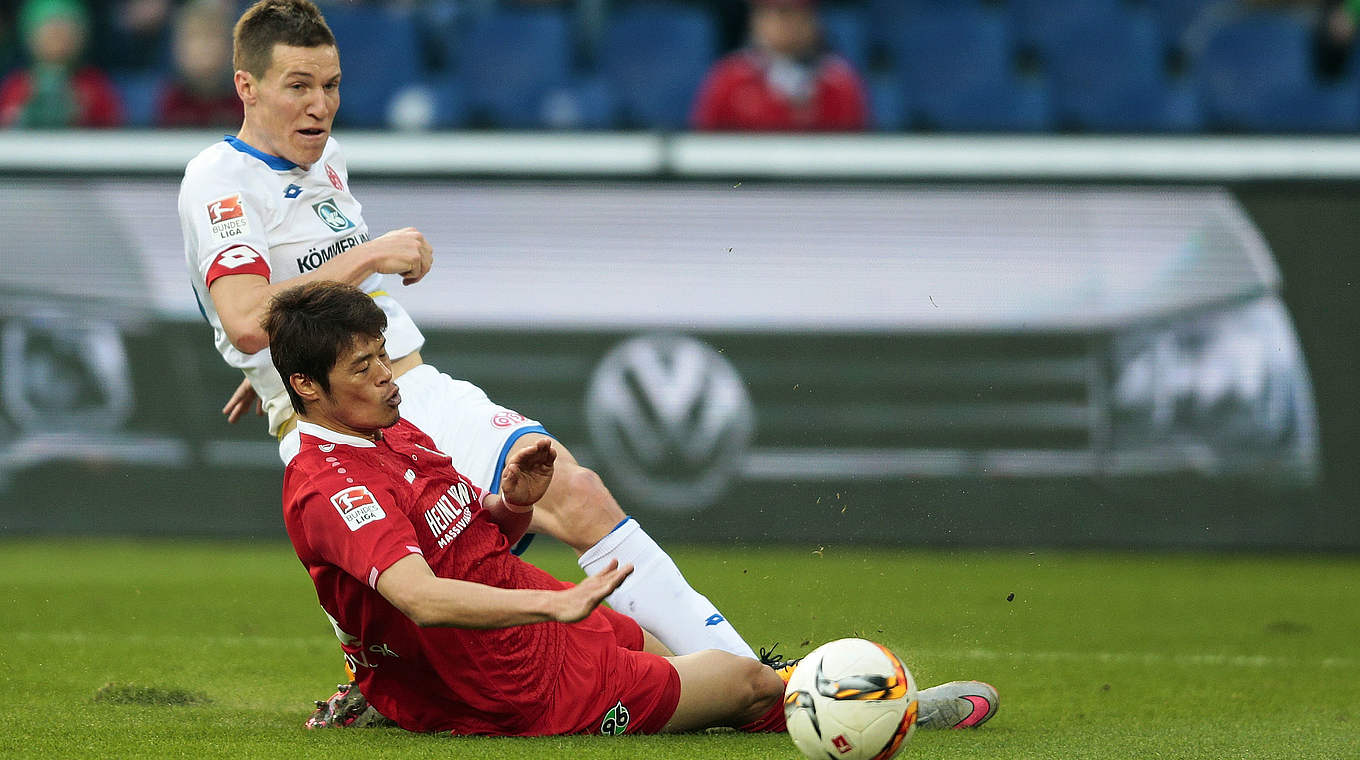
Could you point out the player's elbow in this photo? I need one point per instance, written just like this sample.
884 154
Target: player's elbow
423 617
419 613
248 339
419 603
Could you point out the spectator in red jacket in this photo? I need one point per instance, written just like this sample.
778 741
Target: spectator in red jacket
202 93
785 80
56 90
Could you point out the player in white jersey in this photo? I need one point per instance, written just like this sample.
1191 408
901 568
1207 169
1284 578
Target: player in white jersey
271 208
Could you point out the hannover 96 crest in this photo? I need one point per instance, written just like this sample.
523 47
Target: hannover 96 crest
615 721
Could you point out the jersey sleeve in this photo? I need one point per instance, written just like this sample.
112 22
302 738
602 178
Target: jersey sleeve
225 223
357 527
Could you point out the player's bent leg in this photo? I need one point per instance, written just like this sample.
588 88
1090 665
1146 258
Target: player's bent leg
581 512
577 509
653 645
721 689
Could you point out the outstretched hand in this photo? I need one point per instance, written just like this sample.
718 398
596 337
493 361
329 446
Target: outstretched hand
240 402
527 474
580 600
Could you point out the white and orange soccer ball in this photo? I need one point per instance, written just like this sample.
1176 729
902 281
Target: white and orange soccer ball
850 699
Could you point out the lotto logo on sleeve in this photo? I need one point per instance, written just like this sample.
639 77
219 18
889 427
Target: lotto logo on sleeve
228 217
357 506
238 259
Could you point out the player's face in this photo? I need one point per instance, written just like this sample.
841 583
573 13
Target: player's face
290 109
362 398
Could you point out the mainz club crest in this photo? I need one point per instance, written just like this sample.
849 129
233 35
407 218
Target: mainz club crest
335 178
506 419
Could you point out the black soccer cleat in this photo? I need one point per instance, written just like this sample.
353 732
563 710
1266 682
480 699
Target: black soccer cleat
772 659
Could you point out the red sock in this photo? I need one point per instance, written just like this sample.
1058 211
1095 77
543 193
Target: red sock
771 722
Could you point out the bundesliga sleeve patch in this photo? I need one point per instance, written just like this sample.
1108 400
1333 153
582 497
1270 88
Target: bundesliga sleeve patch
228 217
357 506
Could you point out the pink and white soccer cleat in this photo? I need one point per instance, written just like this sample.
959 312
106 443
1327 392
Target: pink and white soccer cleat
957 704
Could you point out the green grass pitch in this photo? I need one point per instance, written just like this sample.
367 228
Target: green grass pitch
182 649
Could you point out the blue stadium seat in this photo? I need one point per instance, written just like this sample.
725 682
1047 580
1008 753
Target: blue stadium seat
654 55
584 102
450 104
1041 24
512 61
958 64
1255 74
846 29
889 106
951 48
887 15
1005 104
379 55
140 92
1176 16
1109 75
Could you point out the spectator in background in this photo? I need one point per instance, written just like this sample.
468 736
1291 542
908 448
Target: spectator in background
131 35
785 80
1334 36
56 90
9 39
731 18
202 93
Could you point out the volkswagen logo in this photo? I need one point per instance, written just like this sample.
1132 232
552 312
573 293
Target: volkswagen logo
63 374
670 419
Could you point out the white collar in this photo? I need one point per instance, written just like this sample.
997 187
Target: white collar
326 434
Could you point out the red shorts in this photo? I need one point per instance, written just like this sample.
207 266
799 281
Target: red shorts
609 685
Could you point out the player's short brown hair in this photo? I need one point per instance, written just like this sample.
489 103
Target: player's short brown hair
296 23
310 325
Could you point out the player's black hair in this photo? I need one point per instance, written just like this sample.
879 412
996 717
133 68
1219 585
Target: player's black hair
296 23
310 325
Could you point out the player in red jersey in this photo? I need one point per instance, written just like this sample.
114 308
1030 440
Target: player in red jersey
444 627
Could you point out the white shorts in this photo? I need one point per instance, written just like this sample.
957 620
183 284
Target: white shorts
473 430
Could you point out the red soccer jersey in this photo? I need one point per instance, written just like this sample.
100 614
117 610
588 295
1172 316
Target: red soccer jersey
353 507
738 95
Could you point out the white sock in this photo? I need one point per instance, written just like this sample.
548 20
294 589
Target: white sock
657 596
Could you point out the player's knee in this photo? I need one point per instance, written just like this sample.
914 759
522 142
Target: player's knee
588 486
578 510
585 497
763 687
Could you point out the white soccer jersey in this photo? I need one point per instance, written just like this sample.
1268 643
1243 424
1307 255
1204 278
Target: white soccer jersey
244 211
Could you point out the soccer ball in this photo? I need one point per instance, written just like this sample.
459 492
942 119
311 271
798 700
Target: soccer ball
850 699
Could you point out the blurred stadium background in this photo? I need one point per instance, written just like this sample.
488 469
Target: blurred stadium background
1088 283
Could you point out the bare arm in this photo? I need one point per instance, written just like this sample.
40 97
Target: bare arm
242 299
412 587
